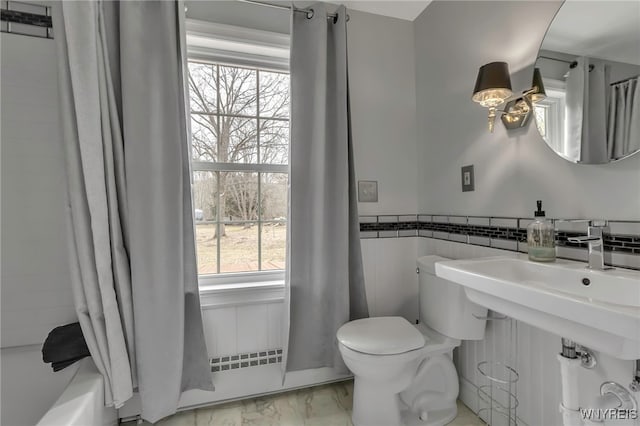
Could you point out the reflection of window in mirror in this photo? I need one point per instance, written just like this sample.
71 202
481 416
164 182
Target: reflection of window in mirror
541 120
550 113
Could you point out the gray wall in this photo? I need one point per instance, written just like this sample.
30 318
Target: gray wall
383 109
513 169
239 14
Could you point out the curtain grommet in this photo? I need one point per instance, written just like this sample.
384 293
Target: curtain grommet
310 13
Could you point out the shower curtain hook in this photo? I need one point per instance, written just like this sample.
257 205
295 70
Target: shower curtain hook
310 13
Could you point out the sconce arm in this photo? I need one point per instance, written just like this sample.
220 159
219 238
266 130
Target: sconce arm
524 94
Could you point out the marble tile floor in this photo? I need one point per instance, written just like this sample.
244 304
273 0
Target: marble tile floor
327 405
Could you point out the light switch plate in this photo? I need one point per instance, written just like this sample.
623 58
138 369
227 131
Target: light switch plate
468 183
368 191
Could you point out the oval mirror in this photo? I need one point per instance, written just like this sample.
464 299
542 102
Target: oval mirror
590 66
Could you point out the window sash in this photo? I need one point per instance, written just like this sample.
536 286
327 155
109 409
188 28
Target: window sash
236 47
261 275
248 117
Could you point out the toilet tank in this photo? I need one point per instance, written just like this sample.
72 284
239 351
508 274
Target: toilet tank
444 306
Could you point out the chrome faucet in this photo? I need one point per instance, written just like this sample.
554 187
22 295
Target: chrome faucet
594 235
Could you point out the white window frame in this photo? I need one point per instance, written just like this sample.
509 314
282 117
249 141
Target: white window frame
241 47
237 46
555 105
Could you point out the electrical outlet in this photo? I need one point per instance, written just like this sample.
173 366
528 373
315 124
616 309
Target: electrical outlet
468 183
368 191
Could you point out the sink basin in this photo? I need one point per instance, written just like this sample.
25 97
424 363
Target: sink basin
598 309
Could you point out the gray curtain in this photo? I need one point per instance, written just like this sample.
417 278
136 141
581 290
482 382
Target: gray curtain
574 113
121 70
324 274
624 118
586 112
594 131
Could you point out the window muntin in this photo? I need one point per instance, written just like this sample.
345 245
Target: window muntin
239 151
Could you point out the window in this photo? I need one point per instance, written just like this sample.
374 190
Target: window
550 116
239 153
542 118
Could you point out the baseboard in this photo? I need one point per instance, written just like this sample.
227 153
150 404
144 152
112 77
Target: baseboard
468 394
243 383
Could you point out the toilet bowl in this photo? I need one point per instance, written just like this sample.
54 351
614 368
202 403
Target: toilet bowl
404 373
391 381
382 371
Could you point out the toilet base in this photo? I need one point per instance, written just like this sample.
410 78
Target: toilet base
373 405
435 417
386 417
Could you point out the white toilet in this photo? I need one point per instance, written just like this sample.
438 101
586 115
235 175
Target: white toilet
404 373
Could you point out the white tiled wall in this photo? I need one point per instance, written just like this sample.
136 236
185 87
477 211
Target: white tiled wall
36 294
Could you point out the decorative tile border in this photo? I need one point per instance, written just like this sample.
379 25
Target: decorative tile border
26 19
507 233
245 360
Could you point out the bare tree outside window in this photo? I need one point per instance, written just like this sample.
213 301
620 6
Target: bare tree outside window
239 149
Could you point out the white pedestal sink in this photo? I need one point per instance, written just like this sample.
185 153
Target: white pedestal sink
597 309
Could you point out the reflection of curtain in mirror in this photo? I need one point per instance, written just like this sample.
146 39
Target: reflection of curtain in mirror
624 118
574 110
586 113
594 128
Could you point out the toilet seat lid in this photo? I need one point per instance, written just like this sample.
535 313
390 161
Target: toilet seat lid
380 336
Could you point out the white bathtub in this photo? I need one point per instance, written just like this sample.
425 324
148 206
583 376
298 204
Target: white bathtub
32 394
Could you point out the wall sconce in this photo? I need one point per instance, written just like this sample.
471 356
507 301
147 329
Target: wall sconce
493 88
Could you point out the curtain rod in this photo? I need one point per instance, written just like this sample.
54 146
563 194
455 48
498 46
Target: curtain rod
624 80
309 12
556 59
572 64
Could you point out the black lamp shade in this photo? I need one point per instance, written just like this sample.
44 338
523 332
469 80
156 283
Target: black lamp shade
494 75
537 83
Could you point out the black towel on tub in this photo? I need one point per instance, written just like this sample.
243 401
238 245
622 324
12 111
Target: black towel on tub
57 366
64 345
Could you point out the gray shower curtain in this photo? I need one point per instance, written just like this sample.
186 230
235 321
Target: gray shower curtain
624 118
325 280
121 71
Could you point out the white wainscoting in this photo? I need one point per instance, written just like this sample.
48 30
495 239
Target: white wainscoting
36 289
231 330
390 276
538 389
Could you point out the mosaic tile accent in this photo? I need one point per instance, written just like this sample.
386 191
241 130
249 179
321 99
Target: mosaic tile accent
26 19
244 360
507 233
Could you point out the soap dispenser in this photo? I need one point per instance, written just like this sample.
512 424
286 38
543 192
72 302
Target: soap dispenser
541 238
